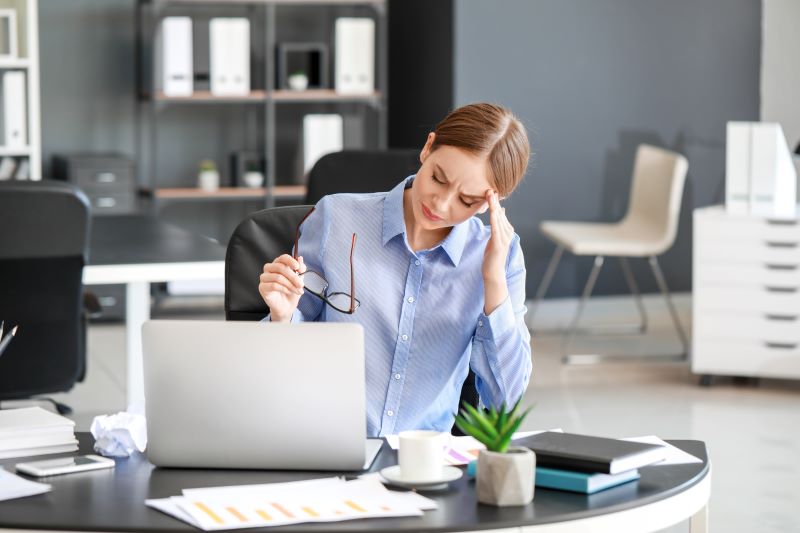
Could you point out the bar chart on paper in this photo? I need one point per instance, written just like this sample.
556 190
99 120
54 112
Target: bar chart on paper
325 500
212 515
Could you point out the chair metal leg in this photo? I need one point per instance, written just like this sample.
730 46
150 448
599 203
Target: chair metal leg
587 290
662 284
607 329
634 288
598 358
546 280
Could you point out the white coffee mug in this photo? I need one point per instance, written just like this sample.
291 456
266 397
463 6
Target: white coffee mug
422 455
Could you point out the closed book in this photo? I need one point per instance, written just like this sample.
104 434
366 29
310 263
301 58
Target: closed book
29 421
37 439
41 450
584 482
584 453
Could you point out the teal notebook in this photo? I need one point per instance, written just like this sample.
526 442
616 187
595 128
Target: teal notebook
584 482
587 483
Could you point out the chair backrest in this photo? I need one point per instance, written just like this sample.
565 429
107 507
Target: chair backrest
43 246
360 171
258 239
656 193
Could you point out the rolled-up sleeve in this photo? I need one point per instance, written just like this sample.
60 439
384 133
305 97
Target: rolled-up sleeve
501 346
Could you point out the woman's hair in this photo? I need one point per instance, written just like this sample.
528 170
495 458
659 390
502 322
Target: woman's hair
491 130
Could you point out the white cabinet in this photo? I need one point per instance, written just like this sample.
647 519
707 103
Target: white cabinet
746 301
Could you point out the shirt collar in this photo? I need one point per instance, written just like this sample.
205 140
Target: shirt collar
394 223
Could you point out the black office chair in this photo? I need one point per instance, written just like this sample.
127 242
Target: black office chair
44 243
360 171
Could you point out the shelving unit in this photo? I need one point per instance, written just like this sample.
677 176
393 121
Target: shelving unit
268 119
27 61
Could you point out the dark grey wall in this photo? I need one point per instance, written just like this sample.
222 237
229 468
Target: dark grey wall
592 80
86 51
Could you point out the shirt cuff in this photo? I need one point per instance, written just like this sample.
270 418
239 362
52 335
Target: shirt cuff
499 321
297 317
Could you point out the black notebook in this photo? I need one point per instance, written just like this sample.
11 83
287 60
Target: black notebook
570 451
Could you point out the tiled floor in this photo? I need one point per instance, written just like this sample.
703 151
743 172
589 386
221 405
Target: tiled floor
752 431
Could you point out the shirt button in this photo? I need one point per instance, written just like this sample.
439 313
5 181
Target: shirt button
397 376
404 337
389 413
480 323
411 299
416 262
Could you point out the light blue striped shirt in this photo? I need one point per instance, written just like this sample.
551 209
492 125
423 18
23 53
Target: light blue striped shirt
422 312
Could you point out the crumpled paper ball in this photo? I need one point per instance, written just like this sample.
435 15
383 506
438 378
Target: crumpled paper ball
119 435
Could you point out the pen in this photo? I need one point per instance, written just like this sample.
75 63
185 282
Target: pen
5 342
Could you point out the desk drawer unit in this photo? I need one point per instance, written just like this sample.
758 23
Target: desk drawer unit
746 301
108 180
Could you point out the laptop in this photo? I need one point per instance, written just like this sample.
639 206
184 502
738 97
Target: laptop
256 395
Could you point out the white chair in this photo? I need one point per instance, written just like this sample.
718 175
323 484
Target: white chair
648 230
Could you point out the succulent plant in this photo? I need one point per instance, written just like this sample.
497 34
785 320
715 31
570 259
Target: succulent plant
493 428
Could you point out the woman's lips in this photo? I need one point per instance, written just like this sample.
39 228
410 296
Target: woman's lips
430 216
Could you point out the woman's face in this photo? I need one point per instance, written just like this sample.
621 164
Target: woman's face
450 187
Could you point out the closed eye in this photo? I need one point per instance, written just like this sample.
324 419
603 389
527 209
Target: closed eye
437 180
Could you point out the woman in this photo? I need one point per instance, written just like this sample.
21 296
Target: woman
436 290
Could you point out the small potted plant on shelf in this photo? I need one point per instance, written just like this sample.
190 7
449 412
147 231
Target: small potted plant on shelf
298 81
208 176
253 176
506 474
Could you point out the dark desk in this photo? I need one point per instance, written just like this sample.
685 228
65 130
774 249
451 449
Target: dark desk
138 250
114 501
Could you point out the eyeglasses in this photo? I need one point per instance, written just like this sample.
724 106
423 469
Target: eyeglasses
318 286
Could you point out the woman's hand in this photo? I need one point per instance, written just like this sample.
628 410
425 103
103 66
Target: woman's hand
496 254
281 286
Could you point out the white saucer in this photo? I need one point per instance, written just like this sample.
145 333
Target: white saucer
449 473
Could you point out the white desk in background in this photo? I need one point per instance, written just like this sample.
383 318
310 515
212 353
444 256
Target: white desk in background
138 250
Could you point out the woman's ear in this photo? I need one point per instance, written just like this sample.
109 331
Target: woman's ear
426 150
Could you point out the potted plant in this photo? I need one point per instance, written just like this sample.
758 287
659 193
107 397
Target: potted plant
298 81
506 474
208 176
253 177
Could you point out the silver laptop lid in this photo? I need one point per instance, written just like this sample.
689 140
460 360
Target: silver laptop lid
254 395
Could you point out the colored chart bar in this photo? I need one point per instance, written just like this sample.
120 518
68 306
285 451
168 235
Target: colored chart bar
283 510
354 505
214 516
236 513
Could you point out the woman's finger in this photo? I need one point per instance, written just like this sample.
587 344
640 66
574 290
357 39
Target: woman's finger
281 280
288 272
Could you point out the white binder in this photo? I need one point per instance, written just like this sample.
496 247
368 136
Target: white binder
15 107
355 55
229 42
737 168
178 65
322 134
773 181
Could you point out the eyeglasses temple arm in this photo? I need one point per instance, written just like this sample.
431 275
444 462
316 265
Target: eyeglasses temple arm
352 277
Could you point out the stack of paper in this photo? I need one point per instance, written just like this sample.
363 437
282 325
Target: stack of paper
278 504
34 431
13 486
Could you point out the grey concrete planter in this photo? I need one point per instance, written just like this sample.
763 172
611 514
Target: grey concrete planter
506 479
